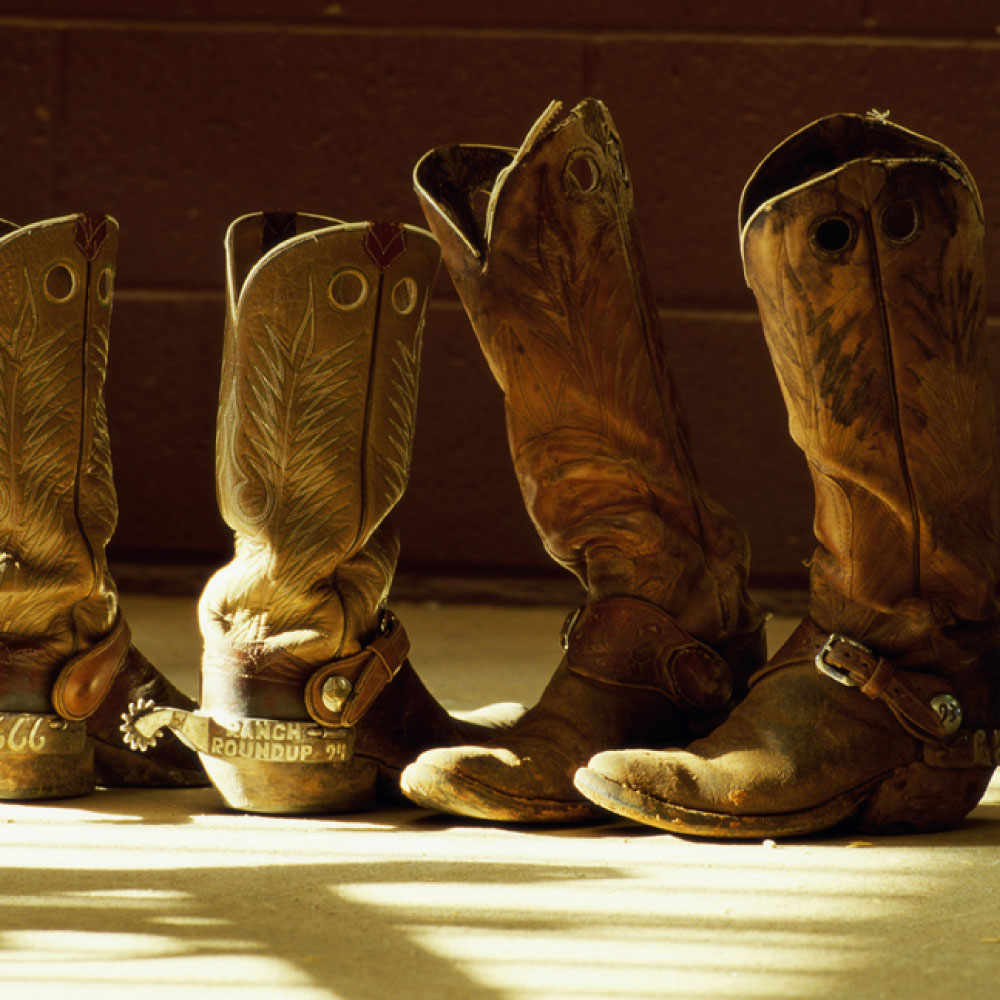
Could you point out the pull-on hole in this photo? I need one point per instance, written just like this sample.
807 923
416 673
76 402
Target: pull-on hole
901 221
105 286
582 172
59 283
833 234
348 289
404 296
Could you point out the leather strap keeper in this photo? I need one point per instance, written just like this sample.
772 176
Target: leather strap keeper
368 673
632 643
84 682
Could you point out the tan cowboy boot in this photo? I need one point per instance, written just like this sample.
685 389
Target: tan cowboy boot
307 695
863 244
67 668
555 286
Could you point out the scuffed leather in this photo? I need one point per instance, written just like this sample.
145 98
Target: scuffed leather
881 352
630 643
553 279
876 329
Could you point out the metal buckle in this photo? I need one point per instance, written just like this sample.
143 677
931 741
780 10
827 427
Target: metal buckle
838 674
569 623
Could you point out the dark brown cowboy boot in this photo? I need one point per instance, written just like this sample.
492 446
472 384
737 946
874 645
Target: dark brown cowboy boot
308 697
67 668
863 244
554 283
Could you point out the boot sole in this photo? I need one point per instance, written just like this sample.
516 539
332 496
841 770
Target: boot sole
654 812
914 798
439 790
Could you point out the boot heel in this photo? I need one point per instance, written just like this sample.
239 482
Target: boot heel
920 798
288 789
44 757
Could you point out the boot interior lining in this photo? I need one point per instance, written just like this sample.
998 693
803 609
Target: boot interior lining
256 235
828 144
460 180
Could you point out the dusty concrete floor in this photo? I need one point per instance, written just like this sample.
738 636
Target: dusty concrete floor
157 894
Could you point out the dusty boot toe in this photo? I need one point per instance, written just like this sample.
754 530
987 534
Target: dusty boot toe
496 783
622 781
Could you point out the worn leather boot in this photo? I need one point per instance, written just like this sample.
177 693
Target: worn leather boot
308 698
554 283
67 667
863 243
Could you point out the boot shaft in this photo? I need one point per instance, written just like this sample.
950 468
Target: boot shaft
862 242
543 247
316 414
57 500
553 279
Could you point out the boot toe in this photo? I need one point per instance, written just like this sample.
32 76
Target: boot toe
493 783
633 783
670 789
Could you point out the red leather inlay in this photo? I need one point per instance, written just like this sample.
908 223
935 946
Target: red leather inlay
385 242
91 232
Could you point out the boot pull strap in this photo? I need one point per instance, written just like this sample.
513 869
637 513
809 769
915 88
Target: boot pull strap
629 642
84 682
340 692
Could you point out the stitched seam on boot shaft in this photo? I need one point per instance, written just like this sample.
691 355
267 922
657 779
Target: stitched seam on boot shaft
80 456
678 440
876 271
366 428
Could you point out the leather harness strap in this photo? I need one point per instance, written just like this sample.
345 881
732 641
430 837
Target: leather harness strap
925 705
631 643
341 691
84 681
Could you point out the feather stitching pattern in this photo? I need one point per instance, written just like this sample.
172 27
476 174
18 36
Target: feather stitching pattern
390 444
40 376
295 443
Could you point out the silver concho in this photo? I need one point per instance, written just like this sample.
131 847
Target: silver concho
336 690
949 711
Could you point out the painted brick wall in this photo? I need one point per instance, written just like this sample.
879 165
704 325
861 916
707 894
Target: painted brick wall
177 116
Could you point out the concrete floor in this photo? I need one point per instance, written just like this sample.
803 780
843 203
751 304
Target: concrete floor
161 894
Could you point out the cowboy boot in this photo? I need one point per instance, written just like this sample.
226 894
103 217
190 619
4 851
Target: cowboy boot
309 701
67 667
862 242
555 286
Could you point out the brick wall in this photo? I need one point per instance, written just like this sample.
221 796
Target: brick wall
177 116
